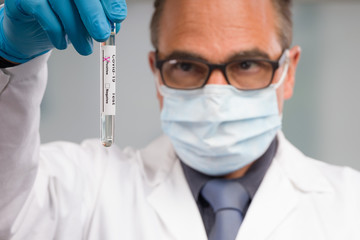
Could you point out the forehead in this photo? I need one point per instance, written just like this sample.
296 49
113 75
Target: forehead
216 29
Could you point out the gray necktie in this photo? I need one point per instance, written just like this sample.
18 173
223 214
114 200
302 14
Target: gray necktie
229 200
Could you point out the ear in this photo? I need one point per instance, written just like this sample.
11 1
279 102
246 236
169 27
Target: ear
152 62
151 58
294 55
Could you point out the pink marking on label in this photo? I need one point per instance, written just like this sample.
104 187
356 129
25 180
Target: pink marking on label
106 59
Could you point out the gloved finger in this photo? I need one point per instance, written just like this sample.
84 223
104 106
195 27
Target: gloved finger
116 10
74 27
118 27
94 18
41 10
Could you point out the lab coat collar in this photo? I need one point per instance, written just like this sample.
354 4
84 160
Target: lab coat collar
170 196
299 169
157 160
175 205
290 175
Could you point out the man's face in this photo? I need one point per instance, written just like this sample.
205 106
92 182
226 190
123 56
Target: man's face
218 31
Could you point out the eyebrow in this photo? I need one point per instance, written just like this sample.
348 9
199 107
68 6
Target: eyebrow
247 54
252 53
185 55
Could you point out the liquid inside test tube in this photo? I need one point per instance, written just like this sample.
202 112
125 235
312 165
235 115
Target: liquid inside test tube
107 129
108 89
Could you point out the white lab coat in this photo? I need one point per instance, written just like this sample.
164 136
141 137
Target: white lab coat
66 191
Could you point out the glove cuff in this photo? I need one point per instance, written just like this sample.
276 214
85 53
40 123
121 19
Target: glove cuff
5 63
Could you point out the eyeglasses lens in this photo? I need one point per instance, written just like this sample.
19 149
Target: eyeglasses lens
248 75
184 74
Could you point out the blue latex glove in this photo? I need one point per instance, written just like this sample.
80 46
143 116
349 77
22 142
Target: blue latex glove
29 28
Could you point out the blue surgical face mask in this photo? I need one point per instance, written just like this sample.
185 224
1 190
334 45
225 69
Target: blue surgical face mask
219 129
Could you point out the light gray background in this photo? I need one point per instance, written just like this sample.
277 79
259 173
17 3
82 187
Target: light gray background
322 119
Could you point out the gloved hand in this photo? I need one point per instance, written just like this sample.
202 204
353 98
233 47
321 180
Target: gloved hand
29 28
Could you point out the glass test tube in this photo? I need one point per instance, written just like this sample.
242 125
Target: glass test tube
108 88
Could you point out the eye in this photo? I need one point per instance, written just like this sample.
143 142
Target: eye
184 66
246 65
187 67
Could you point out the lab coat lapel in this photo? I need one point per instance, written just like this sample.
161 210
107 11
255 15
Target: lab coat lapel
175 205
289 177
274 201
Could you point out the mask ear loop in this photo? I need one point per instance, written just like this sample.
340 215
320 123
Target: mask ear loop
158 85
284 58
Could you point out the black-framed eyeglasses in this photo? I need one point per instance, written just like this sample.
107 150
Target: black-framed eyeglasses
244 74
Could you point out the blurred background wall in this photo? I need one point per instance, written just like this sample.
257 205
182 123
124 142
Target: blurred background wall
322 119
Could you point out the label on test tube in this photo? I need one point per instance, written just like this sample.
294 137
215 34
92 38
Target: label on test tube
108 71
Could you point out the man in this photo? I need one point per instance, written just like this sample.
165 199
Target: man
223 70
